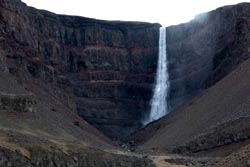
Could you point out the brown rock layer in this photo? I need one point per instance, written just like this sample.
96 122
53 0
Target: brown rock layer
107 66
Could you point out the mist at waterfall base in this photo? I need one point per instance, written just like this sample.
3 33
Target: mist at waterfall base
159 105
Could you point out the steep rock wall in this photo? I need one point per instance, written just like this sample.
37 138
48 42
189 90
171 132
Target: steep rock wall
204 50
108 67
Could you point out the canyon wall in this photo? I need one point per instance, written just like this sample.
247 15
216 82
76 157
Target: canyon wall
108 67
204 50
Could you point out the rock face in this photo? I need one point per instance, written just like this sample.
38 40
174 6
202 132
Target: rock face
201 53
216 120
206 49
108 67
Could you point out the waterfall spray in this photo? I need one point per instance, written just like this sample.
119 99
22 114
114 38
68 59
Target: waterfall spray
159 106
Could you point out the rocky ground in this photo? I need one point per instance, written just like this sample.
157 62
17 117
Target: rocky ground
239 158
48 134
213 124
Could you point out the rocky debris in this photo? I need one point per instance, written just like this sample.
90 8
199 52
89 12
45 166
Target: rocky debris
129 146
239 158
173 160
41 158
17 102
225 134
105 71
109 67
217 118
32 147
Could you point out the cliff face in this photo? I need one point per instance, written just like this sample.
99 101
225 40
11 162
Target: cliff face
107 67
201 53
206 49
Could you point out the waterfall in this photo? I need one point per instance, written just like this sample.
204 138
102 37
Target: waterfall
159 106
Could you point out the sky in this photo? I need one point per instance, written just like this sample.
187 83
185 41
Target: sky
165 12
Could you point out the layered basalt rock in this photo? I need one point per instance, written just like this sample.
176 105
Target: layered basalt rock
206 49
107 67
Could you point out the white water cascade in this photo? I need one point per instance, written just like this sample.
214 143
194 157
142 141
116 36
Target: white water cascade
159 106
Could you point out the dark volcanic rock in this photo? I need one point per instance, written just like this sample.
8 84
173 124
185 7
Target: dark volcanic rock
40 158
217 121
223 134
206 49
108 66
17 102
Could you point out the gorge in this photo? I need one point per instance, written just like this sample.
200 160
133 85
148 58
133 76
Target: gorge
71 87
109 67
